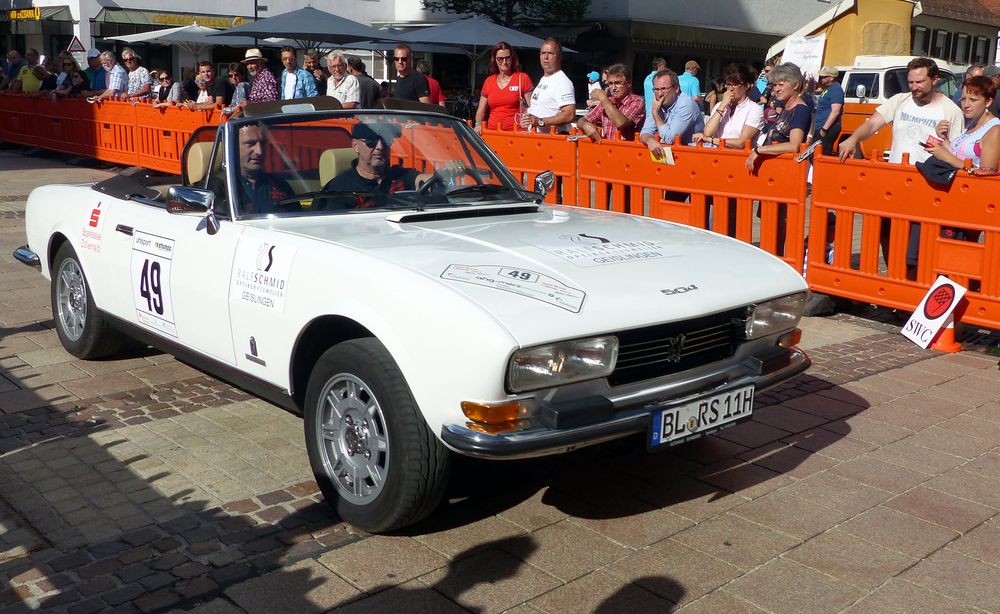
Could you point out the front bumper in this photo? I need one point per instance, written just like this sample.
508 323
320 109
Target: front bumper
632 414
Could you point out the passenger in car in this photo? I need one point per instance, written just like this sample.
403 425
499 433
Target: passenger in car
371 177
258 190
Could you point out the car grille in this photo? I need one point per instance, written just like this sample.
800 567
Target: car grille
664 349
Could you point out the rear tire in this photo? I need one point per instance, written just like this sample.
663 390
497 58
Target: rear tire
82 328
372 454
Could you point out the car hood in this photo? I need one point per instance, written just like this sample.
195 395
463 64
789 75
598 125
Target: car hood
589 268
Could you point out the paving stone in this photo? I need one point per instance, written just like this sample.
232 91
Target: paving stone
382 561
784 586
853 560
962 578
901 532
602 592
306 586
941 508
736 540
789 514
673 571
902 597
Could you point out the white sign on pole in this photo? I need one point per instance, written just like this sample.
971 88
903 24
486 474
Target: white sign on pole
806 52
933 312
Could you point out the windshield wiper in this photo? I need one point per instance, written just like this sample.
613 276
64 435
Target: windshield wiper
321 194
486 188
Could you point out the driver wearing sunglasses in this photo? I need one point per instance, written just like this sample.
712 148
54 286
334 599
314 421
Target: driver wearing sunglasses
372 177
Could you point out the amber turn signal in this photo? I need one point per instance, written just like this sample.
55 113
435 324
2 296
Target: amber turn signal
791 339
492 414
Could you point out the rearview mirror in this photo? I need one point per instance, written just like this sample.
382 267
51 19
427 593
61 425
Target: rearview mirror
861 92
193 200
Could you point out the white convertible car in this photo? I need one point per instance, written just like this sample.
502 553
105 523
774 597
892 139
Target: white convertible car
384 274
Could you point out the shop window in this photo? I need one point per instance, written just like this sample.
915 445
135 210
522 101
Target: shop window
920 41
939 44
960 49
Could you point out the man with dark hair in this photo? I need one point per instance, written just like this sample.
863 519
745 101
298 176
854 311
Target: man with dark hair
553 101
220 91
914 116
369 89
619 112
295 82
410 85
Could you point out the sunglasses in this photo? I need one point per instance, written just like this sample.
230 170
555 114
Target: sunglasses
503 58
164 78
373 143
67 65
234 74
130 60
401 58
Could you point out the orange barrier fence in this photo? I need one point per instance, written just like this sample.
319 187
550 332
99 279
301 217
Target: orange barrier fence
621 176
134 134
877 202
527 154
870 203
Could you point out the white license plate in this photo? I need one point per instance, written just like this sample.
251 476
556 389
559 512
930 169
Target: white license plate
682 422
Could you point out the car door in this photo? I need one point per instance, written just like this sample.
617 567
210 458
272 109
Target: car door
172 277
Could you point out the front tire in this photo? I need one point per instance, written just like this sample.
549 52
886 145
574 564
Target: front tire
372 454
82 328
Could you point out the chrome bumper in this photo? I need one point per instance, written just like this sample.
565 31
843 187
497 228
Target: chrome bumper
627 421
28 257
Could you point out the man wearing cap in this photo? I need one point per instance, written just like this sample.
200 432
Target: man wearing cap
829 110
295 81
94 71
371 179
689 82
263 86
619 113
593 83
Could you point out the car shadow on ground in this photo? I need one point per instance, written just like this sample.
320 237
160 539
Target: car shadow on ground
620 479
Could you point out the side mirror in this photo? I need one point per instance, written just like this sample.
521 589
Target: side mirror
861 91
193 200
544 182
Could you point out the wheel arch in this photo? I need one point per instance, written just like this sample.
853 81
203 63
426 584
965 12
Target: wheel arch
318 336
55 242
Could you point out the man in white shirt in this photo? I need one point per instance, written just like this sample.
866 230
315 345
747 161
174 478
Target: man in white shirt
342 85
914 115
553 101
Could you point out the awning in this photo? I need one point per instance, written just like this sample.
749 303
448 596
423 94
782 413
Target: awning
163 18
37 13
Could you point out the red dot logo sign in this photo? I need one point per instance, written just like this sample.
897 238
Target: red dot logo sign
940 302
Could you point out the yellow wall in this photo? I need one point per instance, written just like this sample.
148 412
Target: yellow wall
872 27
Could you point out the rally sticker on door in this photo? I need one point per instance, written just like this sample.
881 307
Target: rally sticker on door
261 275
151 260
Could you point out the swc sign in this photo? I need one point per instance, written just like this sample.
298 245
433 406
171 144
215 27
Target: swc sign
933 312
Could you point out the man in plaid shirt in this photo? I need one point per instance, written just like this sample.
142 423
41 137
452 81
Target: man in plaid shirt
619 113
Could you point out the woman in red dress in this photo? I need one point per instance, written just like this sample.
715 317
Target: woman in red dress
505 91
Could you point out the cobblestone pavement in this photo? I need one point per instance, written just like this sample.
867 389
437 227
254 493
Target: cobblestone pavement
140 484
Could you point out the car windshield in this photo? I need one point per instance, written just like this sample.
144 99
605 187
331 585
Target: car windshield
344 163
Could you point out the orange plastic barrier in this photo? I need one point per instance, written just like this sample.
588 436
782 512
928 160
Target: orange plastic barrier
621 176
160 134
867 196
527 153
855 114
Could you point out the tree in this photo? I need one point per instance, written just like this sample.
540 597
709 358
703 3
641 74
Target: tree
509 12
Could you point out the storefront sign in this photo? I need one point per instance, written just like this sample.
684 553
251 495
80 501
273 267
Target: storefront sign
208 21
32 14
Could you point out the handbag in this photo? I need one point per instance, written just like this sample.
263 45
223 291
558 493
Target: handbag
937 171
